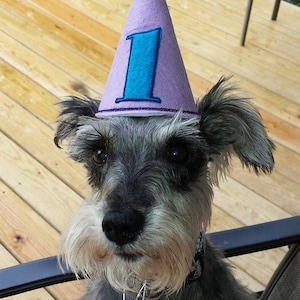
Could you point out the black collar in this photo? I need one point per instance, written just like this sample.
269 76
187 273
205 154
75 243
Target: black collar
198 265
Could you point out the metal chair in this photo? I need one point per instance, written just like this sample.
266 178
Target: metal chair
247 18
240 241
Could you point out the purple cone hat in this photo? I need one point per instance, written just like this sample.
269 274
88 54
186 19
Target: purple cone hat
148 76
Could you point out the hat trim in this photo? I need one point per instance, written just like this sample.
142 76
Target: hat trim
161 109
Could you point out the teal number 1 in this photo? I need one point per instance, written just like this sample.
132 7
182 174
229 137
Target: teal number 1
141 69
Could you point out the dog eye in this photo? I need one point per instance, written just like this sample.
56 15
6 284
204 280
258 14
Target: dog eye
178 153
100 156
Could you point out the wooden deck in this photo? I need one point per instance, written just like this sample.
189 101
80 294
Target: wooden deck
45 46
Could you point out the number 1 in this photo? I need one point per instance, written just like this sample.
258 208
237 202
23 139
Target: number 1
141 69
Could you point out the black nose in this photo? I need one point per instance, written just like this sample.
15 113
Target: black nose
122 227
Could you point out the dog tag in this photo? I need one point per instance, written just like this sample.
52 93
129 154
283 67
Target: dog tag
141 68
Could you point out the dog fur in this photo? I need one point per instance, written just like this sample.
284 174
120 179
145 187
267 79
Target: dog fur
151 184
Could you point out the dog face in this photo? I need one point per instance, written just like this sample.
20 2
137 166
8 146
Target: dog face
151 180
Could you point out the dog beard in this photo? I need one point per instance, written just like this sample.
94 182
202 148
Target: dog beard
161 257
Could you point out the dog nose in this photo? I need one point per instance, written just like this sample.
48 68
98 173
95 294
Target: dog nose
122 227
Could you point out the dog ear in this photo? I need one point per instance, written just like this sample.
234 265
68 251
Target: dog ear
231 125
72 109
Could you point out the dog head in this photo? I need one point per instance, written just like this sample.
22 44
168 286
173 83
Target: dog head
151 180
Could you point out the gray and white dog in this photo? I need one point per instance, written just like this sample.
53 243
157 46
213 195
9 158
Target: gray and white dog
140 234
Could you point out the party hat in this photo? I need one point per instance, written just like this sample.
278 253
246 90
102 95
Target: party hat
147 76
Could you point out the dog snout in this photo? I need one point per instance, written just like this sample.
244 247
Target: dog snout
122 227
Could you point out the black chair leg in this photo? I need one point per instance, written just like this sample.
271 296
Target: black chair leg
275 10
247 18
246 22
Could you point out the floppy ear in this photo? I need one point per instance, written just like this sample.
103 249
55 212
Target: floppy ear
231 125
72 110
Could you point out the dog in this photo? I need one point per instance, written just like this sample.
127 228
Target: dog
141 232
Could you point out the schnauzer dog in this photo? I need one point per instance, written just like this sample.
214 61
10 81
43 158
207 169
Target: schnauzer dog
141 233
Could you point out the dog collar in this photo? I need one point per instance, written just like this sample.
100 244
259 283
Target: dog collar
198 265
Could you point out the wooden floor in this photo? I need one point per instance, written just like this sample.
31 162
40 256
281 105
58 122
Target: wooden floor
46 46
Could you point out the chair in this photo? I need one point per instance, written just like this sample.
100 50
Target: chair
285 283
247 18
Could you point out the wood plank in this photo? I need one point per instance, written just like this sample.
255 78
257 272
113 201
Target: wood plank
29 236
263 99
277 188
245 205
83 23
43 45
282 106
62 32
20 88
36 138
26 233
220 13
52 199
286 134
287 163
219 35
36 67
110 14
227 58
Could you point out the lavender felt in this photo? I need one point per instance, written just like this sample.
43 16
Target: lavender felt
147 76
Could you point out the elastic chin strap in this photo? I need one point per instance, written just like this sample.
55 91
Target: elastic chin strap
198 265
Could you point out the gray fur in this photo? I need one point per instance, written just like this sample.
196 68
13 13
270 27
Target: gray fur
151 181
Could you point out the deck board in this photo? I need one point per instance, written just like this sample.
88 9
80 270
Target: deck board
47 46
